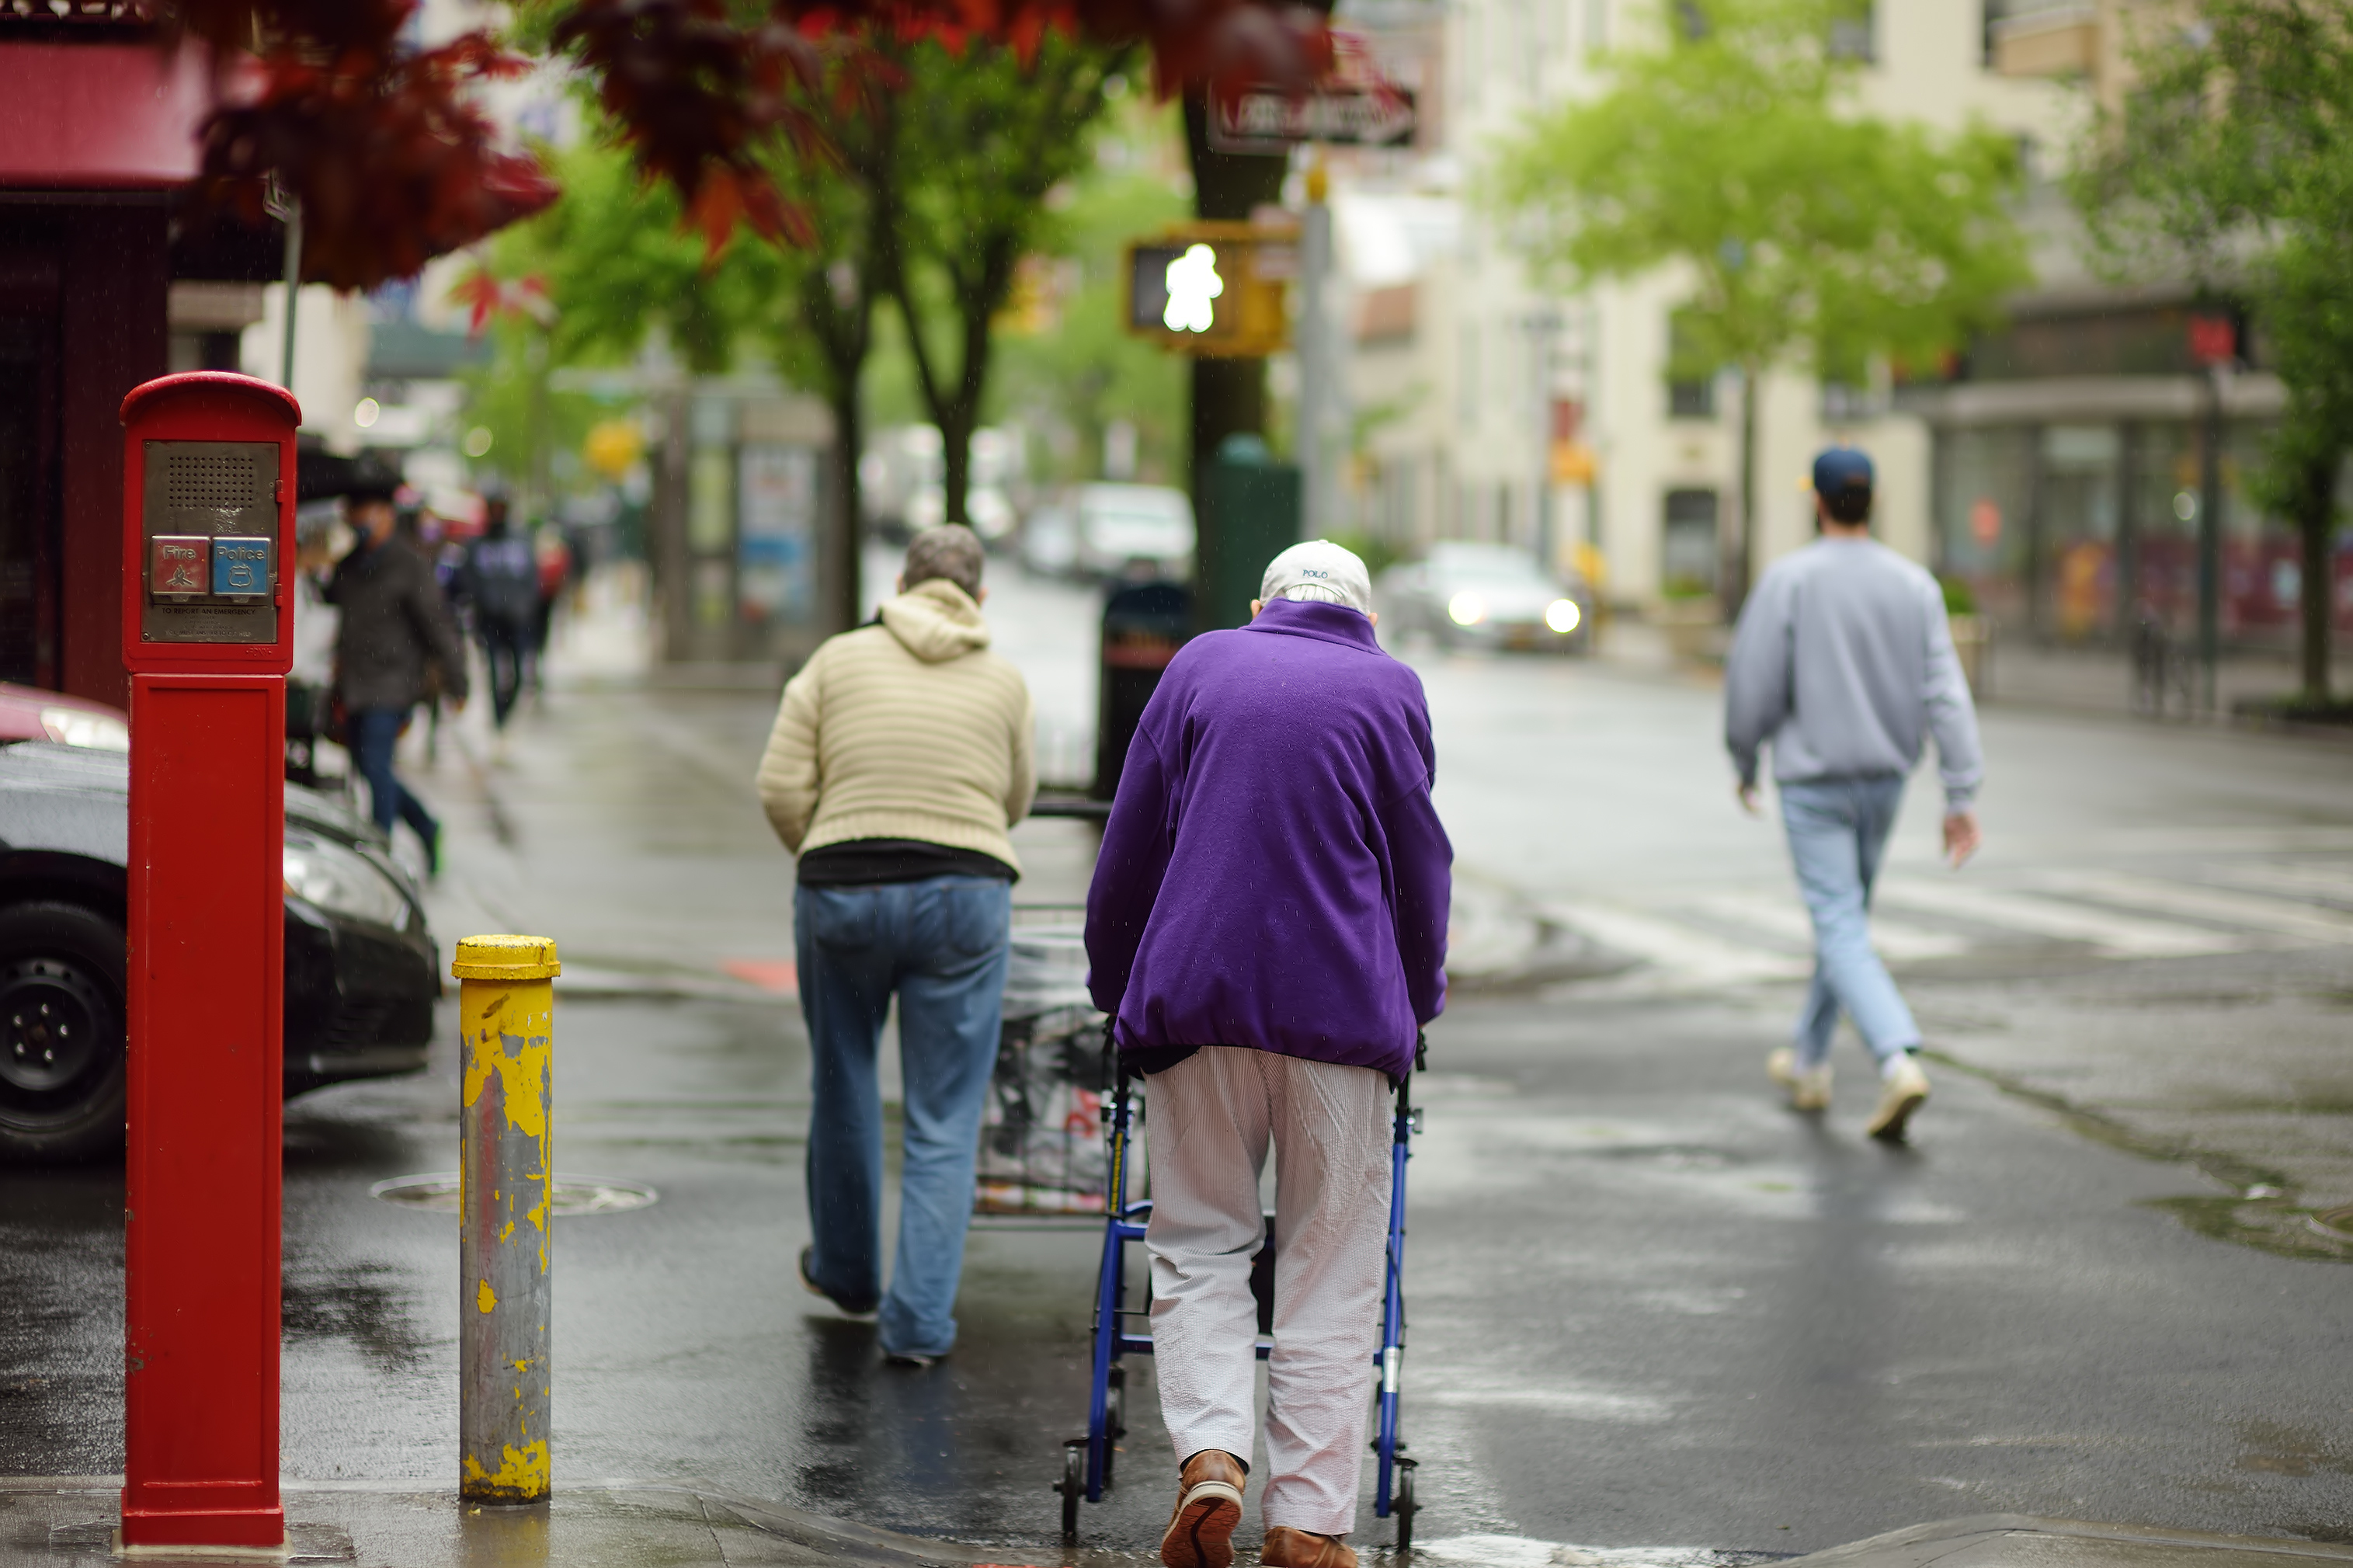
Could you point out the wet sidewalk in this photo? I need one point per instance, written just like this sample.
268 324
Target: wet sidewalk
70 1522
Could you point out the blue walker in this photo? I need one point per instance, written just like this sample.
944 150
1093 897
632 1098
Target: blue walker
1087 1461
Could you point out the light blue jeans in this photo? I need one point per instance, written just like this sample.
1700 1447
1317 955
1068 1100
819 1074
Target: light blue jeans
1838 831
941 944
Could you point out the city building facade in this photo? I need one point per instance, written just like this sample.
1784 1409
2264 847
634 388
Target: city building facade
2056 469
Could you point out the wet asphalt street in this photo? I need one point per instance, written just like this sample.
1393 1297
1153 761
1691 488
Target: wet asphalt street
1649 1306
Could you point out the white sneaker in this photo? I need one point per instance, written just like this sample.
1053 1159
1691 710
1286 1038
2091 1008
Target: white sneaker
1901 1094
1809 1090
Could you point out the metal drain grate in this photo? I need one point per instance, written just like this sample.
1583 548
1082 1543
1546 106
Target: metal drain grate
2337 1222
438 1194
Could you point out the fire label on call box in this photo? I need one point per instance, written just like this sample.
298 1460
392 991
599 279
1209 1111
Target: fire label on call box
179 566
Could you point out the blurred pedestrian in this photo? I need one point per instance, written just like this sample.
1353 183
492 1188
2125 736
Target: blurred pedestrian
1267 926
1843 662
900 760
552 550
499 583
395 628
311 679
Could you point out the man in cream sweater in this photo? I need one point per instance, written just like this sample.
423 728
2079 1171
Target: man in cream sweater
899 759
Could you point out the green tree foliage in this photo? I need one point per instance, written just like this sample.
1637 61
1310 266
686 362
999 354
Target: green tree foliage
982 137
1086 370
1731 145
2231 158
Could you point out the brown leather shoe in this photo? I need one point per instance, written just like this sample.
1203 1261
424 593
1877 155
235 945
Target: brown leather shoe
1208 1505
1289 1548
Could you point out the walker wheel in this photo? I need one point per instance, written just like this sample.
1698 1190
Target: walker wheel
1073 1486
1402 1505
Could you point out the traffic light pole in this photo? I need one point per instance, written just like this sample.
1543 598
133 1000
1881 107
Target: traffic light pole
1229 395
1319 381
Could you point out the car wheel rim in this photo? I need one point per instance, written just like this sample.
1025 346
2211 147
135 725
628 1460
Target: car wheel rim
56 1024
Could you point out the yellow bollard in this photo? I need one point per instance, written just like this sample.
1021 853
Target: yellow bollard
506 1011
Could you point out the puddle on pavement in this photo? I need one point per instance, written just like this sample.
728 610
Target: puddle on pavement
369 1306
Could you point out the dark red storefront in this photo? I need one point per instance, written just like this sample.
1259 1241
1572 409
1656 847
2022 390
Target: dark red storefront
97 148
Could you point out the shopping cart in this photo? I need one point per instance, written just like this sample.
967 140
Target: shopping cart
1121 1331
1041 1158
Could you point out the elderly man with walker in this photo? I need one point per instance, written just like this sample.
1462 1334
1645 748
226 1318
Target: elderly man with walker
1267 928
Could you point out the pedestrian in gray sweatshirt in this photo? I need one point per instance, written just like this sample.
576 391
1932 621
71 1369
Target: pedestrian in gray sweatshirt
1843 663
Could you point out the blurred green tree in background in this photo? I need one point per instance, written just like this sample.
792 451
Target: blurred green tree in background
1731 144
2230 159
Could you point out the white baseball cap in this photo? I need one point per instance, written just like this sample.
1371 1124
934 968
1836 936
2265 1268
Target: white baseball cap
1320 571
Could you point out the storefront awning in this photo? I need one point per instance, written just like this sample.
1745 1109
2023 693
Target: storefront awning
100 116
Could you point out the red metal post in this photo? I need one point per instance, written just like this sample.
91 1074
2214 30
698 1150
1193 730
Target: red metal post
209 505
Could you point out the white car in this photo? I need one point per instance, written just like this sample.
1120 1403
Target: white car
1050 541
1471 595
1133 530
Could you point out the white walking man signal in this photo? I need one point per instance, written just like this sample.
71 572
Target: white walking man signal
1193 282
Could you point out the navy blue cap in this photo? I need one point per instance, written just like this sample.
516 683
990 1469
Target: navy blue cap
1841 467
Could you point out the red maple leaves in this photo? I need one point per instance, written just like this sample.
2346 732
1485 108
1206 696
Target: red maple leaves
395 164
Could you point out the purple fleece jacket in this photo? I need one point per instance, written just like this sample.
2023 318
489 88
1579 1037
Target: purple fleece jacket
1273 874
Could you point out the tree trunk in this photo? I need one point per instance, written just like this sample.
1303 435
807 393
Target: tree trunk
955 460
838 557
1741 570
843 325
2316 521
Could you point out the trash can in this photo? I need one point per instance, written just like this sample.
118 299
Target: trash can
1143 627
1250 514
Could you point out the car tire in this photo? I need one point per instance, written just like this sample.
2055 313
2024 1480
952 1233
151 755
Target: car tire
62 1081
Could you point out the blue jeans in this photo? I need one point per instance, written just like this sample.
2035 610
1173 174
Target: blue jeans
1838 831
502 655
941 944
374 732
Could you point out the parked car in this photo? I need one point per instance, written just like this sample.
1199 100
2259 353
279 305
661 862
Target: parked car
1133 530
1050 541
1471 595
361 970
28 713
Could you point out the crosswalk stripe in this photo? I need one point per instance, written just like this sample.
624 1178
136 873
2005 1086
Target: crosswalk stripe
1691 954
2026 912
1744 936
2213 904
2332 881
1899 941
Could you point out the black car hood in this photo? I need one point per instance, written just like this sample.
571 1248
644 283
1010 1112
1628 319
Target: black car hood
73 800
70 800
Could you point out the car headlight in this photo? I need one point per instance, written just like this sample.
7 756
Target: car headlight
343 882
1466 609
1562 615
76 727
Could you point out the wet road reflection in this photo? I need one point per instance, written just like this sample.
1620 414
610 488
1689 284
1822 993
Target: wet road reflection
1646 1305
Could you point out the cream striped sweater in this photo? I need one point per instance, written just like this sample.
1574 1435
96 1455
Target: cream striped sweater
911 729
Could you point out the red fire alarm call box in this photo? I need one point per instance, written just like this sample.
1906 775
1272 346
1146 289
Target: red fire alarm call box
207 623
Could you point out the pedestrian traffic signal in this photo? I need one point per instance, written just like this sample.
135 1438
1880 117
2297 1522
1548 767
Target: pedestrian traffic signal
1213 288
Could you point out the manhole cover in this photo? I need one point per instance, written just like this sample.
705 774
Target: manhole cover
2337 1223
574 1195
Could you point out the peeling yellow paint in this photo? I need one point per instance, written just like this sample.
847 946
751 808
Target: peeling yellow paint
518 1055
485 1298
507 1235
523 1474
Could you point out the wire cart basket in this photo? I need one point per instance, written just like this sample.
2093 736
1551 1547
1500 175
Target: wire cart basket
1042 1147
